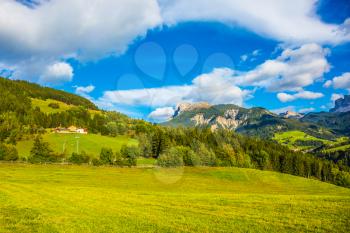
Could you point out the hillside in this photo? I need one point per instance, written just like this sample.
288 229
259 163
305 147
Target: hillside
25 119
24 88
69 143
52 198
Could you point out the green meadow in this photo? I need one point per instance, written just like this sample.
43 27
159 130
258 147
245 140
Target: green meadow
289 139
64 198
68 143
45 108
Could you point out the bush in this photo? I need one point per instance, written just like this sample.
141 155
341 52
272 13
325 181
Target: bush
171 158
79 158
189 157
41 152
129 155
106 156
54 105
8 153
206 156
96 162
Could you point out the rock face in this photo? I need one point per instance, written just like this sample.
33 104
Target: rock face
229 120
185 107
342 104
291 114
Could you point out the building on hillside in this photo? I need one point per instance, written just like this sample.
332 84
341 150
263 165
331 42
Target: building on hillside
70 129
81 131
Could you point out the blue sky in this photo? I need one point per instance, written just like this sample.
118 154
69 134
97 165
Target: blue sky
144 57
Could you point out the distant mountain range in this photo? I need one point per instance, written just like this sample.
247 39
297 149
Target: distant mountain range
263 123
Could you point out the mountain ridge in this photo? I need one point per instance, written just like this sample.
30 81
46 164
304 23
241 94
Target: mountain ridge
258 121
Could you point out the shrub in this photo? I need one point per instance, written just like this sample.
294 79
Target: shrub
189 157
106 156
129 155
41 152
79 158
8 153
170 158
54 105
96 162
206 156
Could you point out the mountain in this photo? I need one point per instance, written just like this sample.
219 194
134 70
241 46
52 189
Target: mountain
337 122
342 104
254 121
291 114
337 119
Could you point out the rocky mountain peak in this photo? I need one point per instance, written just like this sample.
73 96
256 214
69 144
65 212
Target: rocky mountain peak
183 107
342 104
291 114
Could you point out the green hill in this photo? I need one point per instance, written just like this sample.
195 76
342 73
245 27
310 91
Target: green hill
69 143
52 198
24 88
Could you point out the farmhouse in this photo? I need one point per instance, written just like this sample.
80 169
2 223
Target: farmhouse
70 129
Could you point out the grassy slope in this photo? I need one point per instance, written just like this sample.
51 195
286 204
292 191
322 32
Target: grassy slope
44 106
90 143
56 198
339 148
288 138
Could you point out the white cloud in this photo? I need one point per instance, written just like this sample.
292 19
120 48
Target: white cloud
284 97
252 56
339 82
342 81
58 72
33 38
60 29
336 96
289 21
306 110
292 70
162 114
216 87
84 90
244 57
327 84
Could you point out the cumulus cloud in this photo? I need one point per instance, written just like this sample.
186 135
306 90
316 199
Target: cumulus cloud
288 21
284 97
342 81
162 114
58 72
32 38
339 82
59 29
216 87
336 96
80 90
292 70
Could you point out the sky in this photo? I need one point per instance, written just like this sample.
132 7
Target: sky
143 57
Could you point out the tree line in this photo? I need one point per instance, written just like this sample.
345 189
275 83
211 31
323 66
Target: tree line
170 146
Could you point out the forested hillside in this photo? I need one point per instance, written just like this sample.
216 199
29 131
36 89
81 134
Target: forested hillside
24 88
192 146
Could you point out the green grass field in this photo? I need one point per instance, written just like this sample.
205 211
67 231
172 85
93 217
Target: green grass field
290 137
44 106
54 198
90 143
